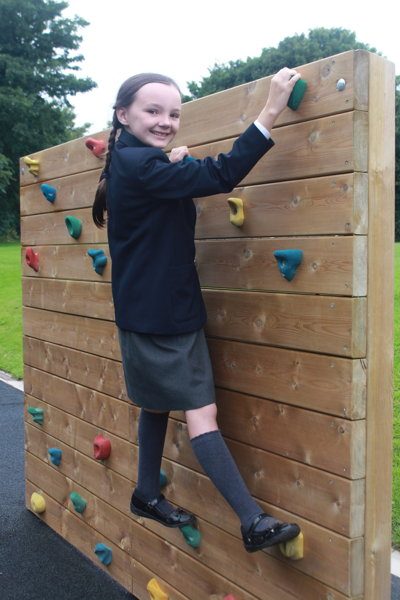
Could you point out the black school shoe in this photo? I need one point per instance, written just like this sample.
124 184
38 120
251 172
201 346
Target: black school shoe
149 510
257 540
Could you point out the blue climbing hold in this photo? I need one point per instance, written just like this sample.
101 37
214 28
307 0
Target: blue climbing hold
189 159
103 553
48 192
99 260
288 261
163 479
55 456
37 414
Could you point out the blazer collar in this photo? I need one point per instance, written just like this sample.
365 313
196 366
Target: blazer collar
127 139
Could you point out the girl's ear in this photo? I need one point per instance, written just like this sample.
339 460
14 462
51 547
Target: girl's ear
121 115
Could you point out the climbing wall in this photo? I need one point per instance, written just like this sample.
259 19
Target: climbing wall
302 363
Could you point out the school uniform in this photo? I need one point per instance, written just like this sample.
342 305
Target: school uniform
159 308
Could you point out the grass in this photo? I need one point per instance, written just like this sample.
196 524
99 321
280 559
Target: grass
11 359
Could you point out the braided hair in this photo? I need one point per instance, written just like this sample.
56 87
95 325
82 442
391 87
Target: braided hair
125 97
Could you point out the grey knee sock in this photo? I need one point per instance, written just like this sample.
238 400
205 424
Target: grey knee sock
217 462
152 430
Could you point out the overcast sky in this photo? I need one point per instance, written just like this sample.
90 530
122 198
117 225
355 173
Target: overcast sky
183 38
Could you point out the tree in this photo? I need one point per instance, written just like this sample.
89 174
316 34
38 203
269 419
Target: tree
37 75
291 52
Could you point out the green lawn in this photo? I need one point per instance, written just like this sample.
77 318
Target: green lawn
10 310
11 348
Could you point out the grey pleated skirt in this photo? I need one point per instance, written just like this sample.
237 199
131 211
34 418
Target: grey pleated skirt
167 372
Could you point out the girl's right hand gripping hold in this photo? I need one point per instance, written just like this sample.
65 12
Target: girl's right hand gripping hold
282 84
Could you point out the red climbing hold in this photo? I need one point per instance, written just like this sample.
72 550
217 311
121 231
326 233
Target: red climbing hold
230 597
102 447
32 259
96 146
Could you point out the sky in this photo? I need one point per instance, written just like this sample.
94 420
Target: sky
184 39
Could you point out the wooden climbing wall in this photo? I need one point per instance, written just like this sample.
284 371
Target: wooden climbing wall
302 367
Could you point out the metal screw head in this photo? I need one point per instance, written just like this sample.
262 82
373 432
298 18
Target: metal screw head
340 84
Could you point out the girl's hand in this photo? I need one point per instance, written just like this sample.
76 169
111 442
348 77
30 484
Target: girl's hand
179 153
281 87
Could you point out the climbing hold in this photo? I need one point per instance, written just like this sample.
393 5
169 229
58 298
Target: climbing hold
156 593
163 479
102 447
288 261
37 414
294 548
48 192
230 597
78 502
237 212
192 536
33 165
297 94
74 226
99 260
103 553
55 456
38 503
32 259
96 146
189 159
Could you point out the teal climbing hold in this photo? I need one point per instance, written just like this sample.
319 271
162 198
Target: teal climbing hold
163 479
297 94
99 260
49 192
55 456
103 553
192 536
37 414
288 261
78 502
74 226
189 159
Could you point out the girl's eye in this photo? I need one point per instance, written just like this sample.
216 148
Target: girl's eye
152 111
175 115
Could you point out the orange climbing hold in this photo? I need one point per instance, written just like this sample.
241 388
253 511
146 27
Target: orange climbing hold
96 146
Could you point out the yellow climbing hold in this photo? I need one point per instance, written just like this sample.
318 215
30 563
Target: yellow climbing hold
33 165
294 548
38 503
156 593
237 212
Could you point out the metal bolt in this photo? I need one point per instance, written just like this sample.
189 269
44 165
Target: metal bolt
340 84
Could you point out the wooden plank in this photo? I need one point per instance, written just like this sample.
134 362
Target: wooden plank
69 296
45 229
95 372
323 498
73 191
380 329
332 444
322 546
314 323
67 262
89 335
315 148
330 265
328 384
323 205
229 112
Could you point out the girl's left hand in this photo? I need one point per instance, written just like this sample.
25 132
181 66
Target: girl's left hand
179 153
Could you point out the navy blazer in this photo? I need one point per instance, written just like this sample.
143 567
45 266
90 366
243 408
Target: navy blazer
151 226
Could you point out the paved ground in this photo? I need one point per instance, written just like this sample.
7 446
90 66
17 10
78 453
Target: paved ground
35 562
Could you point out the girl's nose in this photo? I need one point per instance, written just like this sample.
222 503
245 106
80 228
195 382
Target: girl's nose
165 121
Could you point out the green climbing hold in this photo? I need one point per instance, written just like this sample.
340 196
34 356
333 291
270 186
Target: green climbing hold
37 414
74 226
297 94
78 502
192 536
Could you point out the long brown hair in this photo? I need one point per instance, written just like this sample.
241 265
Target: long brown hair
125 97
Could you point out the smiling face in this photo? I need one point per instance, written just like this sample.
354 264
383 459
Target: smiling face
153 117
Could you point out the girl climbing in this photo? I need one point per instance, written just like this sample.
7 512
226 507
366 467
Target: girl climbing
159 308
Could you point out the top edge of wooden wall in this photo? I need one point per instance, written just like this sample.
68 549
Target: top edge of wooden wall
228 113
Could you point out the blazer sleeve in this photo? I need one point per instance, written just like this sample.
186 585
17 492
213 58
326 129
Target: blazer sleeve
162 179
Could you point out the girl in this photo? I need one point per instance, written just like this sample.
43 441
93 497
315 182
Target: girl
159 309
